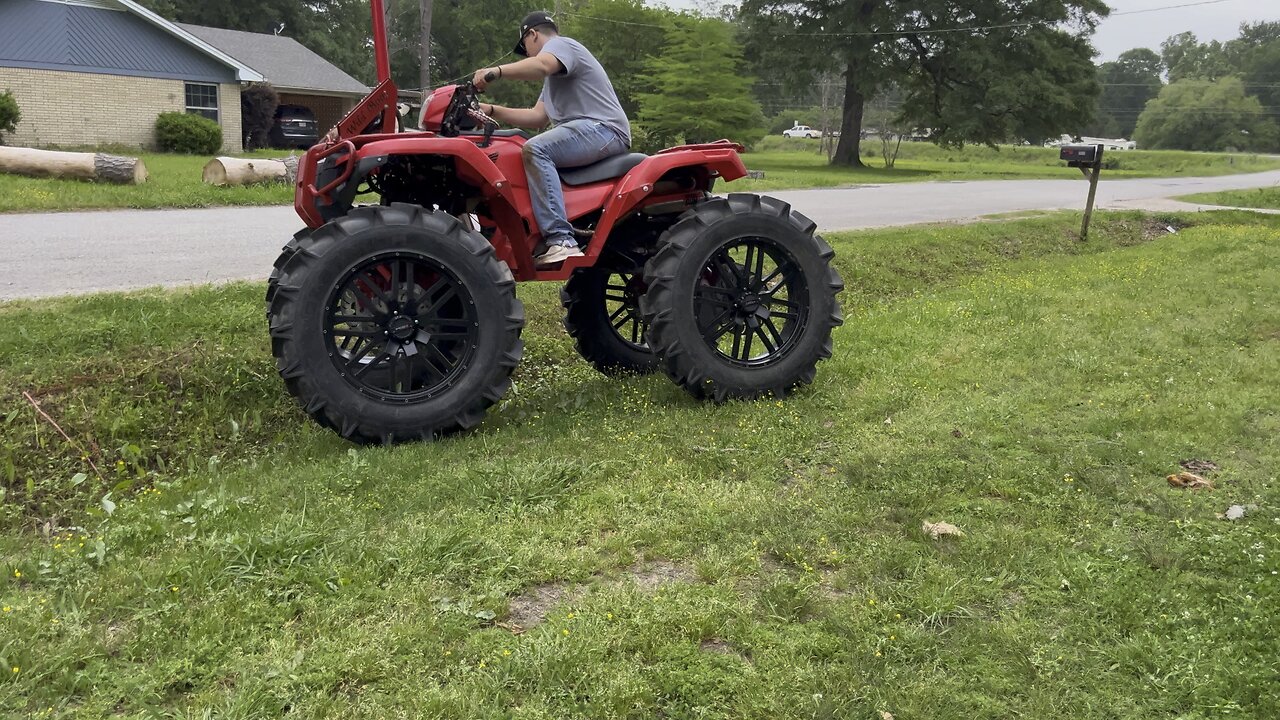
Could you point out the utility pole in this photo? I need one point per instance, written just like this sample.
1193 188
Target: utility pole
424 70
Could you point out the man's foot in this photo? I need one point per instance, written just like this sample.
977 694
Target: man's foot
556 254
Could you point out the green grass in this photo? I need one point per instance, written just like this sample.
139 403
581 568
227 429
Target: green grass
788 164
794 163
174 183
1268 198
1031 389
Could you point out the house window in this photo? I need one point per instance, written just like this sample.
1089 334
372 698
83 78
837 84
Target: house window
203 100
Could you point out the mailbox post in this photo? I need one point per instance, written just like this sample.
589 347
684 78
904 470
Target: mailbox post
1089 159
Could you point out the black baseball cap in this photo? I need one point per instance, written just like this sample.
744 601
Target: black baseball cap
531 21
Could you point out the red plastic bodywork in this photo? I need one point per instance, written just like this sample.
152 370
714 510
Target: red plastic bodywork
497 173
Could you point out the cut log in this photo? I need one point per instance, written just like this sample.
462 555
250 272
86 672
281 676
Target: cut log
242 171
79 166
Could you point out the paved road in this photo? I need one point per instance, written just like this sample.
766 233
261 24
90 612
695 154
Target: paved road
71 253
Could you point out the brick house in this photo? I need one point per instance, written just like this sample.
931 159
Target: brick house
95 72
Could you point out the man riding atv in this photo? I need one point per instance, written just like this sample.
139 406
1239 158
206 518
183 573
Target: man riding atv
589 122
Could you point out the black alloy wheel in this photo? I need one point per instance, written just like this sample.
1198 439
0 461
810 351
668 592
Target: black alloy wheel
401 327
752 303
741 299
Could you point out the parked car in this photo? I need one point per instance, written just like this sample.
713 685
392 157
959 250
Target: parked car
295 127
803 131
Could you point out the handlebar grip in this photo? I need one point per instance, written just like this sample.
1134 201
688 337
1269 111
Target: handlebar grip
490 76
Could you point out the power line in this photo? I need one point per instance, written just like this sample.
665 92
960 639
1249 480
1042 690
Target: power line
1168 7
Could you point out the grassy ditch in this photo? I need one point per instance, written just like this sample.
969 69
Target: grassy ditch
608 548
1268 198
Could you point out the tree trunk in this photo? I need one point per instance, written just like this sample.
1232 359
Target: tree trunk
847 152
424 68
239 171
78 166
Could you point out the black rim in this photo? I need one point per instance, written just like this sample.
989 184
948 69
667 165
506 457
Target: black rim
751 301
401 327
622 293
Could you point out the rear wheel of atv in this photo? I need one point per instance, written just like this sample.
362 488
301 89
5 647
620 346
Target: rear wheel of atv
742 299
394 323
602 315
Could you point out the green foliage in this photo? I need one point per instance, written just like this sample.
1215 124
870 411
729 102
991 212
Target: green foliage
1206 115
1185 58
186 133
10 114
1127 85
1256 56
696 88
1026 77
258 102
624 35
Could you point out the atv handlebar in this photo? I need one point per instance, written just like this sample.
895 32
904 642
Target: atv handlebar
490 76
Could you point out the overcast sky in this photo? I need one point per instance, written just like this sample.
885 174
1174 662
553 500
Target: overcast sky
1118 33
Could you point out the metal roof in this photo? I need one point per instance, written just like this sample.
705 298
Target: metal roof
114 40
286 63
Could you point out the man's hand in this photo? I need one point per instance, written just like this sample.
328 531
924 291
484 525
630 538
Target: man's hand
479 79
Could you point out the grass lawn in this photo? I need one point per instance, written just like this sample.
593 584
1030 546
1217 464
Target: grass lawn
794 163
671 558
174 183
788 164
1268 197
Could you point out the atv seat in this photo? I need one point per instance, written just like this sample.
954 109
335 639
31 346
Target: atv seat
607 169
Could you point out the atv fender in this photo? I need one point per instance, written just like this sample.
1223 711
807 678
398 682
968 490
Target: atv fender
718 159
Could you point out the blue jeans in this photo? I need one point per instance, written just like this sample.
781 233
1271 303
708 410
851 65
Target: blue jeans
571 144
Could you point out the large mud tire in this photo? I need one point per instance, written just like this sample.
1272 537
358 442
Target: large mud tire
602 315
415 291
736 274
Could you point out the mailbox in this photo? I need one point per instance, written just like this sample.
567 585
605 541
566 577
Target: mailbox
1082 156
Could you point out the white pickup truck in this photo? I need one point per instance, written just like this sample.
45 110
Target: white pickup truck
802 131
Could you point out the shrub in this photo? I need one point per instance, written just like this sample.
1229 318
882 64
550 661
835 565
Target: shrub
9 114
189 134
258 102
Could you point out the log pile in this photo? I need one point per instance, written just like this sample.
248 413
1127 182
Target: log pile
96 167
242 171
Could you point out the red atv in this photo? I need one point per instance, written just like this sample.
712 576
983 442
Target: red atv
398 319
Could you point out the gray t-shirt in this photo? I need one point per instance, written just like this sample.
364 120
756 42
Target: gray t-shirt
583 90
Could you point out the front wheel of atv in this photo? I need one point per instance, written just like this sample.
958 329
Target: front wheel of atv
602 315
394 323
741 299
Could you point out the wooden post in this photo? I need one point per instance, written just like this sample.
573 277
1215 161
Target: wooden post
1093 191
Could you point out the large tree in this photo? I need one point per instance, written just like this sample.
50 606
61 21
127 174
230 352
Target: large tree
1186 58
1127 84
696 90
1206 115
976 71
1256 57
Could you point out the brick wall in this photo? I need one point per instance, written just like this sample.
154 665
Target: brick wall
328 110
66 108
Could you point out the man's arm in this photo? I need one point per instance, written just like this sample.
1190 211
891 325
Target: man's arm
542 65
534 118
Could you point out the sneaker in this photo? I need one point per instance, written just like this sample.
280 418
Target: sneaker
557 254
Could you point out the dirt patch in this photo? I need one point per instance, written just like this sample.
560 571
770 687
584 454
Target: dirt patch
1154 227
716 645
530 608
654 575
720 647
